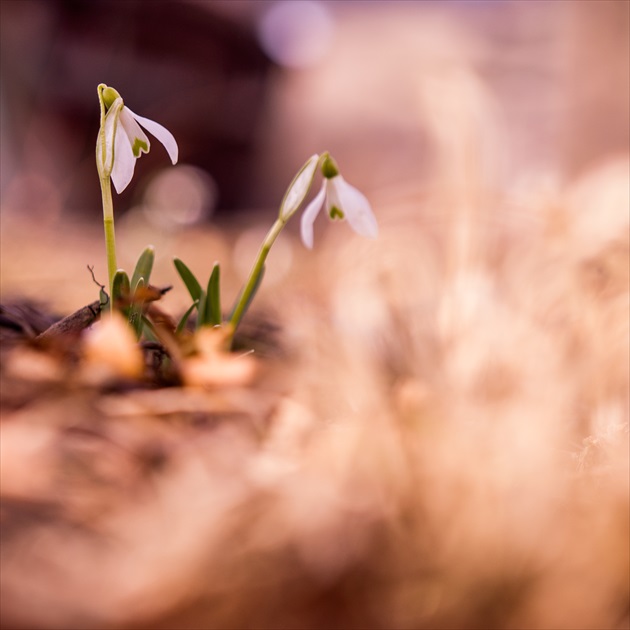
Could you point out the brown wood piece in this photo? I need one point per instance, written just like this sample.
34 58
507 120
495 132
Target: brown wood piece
73 324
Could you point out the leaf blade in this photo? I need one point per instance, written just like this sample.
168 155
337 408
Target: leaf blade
120 286
213 303
136 311
188 278
144 266
184 320
201 310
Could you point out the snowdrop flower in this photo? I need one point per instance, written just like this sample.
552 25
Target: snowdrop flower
121 140
342 201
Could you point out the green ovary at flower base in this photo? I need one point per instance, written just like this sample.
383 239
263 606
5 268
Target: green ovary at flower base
121 141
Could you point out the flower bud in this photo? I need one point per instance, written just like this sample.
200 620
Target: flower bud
298 189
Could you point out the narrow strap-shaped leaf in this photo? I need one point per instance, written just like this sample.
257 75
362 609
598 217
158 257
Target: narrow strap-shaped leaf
184 320
188 278
144 267
251 296
135 311
201 310
120 286
213 303
149 329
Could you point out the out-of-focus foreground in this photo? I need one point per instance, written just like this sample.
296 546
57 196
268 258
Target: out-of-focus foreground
438 433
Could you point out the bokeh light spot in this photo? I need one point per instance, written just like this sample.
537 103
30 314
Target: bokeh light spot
180 196
296 34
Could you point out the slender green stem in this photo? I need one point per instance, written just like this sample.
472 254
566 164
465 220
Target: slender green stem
283 217
110 237
254 274
104 175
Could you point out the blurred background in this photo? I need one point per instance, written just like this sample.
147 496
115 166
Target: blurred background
407 95
441 439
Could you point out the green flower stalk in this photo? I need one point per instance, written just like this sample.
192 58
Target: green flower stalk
255 275
120 143
296 192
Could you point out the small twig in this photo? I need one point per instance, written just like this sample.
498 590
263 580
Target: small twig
79 320
96 282
87 315
73 324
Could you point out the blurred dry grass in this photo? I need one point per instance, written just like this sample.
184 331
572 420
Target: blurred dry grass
443 443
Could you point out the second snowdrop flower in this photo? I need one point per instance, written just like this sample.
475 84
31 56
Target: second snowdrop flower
342 201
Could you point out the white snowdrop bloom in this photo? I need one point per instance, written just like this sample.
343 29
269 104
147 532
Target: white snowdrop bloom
342 201
122 141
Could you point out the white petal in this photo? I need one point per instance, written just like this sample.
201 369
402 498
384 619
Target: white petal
105 154
134 132
298 188
124 161
356 208
161 133
309 215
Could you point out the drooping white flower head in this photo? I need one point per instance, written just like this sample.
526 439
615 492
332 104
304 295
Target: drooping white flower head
121 140
342 201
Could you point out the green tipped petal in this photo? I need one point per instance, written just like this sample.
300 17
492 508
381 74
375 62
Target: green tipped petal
335 213
139 146
161 133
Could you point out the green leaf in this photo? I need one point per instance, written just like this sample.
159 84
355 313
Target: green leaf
143 267
251 296
201 310
120 286
187 276
149 329
213 302
135 311
182 322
